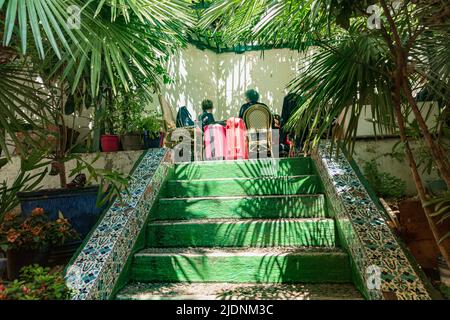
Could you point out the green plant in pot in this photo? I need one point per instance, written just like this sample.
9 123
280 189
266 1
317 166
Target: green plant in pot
151 126
36 283
109 140
129 107
131 139
77 199
28 239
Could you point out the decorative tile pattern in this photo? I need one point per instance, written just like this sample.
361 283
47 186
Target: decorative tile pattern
95 270
365 232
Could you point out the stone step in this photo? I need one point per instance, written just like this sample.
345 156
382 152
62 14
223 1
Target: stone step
242 233
260 265
243 168
238 291
235 207
304 184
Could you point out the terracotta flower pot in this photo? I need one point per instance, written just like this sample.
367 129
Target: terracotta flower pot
131 142
17 259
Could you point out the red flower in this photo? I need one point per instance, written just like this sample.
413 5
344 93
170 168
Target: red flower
26 290
10 216
12 235
36 231
37 212
2 287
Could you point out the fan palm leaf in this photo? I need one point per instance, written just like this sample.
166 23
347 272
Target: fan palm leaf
23 99
339 81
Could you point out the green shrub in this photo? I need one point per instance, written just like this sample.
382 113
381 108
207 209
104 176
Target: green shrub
384 184
36 283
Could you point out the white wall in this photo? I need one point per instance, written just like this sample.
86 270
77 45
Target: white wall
122 162
223 78
366 150
429 111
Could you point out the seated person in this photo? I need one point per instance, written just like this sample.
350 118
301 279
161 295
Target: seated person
286 144
252 97
206 117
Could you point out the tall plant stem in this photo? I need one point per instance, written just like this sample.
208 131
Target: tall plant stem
403 85
436 151
414 170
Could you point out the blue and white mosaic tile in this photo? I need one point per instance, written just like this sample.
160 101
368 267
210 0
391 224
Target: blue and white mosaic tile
95 271
367 236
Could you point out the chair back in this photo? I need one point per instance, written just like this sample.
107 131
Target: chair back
258 120
258 116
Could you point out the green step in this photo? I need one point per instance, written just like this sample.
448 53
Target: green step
306 184
238 291
235 207
242 233
262 265
243 168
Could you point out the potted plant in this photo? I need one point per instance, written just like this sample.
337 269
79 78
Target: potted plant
131 139
109 141
83 199
130 113
28 239
36 283
151 127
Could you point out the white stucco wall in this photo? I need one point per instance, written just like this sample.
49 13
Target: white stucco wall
366 150
122 162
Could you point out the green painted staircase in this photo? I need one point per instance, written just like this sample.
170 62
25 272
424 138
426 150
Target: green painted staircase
241 229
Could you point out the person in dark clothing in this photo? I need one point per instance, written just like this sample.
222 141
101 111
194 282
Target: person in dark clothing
206 117
252 97
184 118
290 103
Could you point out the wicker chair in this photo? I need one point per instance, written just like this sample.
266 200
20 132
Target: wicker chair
258 120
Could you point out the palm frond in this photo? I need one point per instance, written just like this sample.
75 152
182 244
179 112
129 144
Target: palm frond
339 81
23 99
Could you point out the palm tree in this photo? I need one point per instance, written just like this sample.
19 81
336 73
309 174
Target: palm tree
353 65
90 44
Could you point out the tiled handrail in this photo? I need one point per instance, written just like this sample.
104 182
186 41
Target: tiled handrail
364 231
94 271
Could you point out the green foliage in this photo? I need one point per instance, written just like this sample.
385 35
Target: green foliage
350 66
384 184
111 183
36 283
124 113
440 205
119 46
26 180
338 82
34 231
152 125
445 291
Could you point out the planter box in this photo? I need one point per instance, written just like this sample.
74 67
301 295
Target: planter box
110 143
131 142
22 258
2 266
77 205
